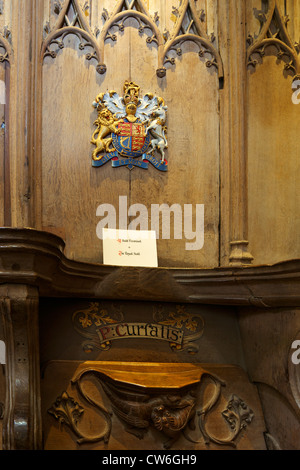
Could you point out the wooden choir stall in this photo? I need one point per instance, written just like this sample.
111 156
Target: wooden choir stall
176 118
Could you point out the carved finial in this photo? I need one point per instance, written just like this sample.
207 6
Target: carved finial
260 15
57 7
156 17
105 14
7 33
286 19
175 14
202 15
166 35
47 28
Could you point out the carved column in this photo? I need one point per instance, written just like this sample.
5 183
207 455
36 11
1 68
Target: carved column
22 411
234 134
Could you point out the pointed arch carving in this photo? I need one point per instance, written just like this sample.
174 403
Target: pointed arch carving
136 9
274 33
124 10
65 26
195 33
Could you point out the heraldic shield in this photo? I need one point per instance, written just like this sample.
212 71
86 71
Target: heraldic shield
130 140
129 128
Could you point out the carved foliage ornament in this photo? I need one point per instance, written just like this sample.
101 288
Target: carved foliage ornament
72 20
130 127
274 34
171 411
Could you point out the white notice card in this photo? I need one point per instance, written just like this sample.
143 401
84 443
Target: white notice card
130 248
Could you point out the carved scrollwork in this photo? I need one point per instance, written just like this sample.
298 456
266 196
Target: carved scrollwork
87 322
67 411
192 324
274 33
140 406
237 414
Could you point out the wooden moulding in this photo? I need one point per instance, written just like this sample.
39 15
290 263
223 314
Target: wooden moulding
22 413
167 376
37 258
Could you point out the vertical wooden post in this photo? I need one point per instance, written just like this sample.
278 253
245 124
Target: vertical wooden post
22 428
234 201
25 114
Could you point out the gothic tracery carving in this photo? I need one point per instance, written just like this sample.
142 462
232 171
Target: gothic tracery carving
274 33
188 28
71 20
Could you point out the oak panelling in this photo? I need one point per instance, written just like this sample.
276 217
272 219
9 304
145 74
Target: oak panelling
274 170
2 145
72 189
293 25
2 120
193 176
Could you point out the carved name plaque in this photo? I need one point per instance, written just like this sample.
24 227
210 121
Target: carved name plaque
179 328
140 330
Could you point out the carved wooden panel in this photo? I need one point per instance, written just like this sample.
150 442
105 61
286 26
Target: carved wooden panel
105 406
268 339
102 46
273 144
137 331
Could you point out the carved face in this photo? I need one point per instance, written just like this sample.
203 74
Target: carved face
173 417
105 114
131 109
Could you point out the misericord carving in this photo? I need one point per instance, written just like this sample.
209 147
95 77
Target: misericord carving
171 411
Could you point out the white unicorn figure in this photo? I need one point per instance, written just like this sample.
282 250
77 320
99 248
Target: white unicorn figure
158 131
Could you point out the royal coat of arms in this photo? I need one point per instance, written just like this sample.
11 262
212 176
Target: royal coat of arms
130 131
